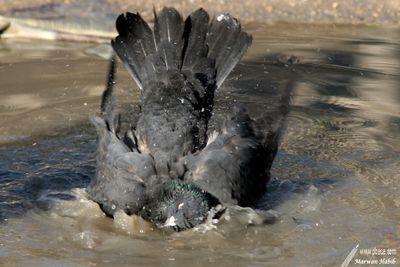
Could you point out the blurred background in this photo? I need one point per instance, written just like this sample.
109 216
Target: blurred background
316 11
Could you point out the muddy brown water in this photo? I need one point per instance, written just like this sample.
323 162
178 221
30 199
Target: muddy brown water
335 180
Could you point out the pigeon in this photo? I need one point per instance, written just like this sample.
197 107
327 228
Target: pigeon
168 167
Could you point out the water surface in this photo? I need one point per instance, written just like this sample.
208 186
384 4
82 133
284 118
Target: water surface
335 180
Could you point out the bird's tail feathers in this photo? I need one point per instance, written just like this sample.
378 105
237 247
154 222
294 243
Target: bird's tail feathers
206 51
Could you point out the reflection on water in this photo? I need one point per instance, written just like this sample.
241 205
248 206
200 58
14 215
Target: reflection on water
336 176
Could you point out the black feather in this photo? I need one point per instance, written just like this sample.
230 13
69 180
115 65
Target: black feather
168 34
227 44
196 27
134 44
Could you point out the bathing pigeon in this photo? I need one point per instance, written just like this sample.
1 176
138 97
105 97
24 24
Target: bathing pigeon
168 168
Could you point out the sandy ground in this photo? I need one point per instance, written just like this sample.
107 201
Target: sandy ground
304 11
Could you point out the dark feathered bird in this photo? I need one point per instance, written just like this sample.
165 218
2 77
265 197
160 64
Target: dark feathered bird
167 169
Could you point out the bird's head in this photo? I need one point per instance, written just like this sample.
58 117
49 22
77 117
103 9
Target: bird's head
178 205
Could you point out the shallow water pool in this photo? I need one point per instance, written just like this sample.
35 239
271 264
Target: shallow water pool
335 180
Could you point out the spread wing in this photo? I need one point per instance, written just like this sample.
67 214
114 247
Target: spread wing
120 173
232 166
121 170
235 164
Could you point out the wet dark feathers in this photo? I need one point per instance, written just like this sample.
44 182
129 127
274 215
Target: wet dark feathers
178 66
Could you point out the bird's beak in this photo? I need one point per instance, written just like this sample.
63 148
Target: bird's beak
170 222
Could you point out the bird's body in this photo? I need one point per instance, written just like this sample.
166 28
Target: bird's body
168 166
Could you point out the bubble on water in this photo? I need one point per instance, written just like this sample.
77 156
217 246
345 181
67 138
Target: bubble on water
85 238
312 200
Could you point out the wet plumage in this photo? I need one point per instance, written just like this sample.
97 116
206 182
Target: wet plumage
168 168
